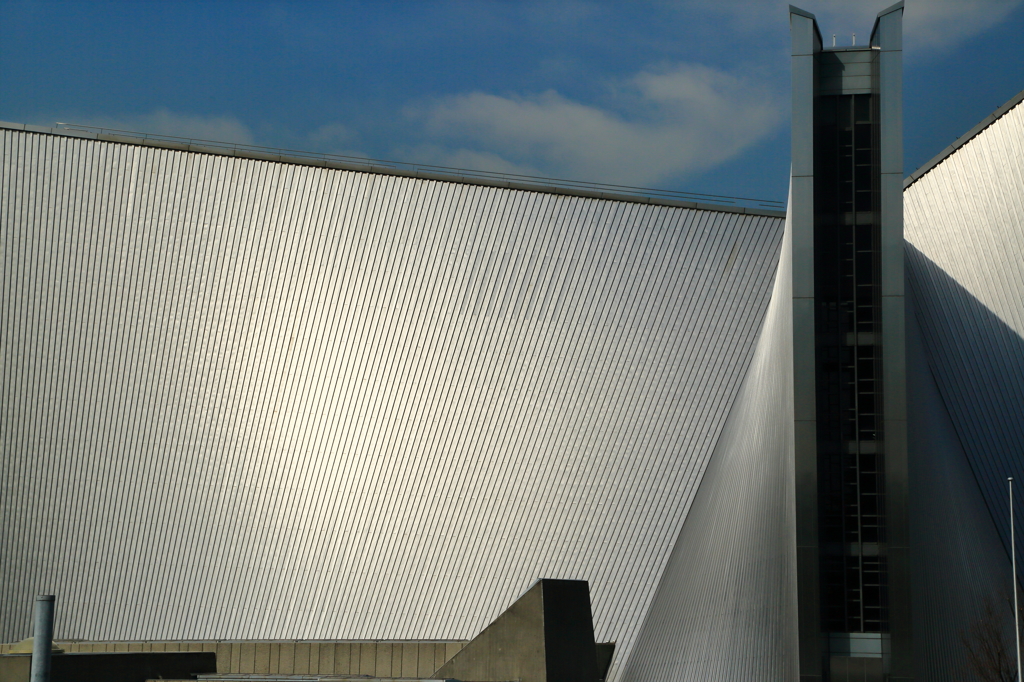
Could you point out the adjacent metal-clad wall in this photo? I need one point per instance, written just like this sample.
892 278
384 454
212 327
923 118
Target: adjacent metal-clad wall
726 606
245 399
958 560
965 260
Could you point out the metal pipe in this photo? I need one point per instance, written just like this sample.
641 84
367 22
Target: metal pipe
43 638
1016 608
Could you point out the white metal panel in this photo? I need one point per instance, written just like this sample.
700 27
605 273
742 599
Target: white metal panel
726 605
965 262
958 560
246 399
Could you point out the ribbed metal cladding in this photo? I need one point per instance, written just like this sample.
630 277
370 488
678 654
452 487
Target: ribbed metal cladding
965 264
245 399
958 559
726 606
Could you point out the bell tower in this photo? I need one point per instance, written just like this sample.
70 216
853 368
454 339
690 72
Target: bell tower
849 355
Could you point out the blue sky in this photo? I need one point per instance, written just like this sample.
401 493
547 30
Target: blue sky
682 95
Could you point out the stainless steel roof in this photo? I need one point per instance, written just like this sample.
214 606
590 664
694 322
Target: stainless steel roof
254 399
964 226
958 559
726 604
965 236
964 139
594 190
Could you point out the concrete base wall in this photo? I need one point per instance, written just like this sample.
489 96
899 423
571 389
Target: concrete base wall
111 667
379 658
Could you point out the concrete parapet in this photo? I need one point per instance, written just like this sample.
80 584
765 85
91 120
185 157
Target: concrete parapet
111 667
379 658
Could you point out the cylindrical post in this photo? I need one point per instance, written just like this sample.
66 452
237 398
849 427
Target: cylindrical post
43 638
1013 558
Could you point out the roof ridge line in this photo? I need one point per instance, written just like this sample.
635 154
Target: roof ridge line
963 139
523 183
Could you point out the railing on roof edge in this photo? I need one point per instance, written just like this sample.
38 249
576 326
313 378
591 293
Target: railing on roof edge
378 164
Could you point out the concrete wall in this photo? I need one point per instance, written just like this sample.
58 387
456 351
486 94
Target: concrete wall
111 667
380 658
547 635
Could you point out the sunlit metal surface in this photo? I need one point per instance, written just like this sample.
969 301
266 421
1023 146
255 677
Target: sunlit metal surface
251 400
715 202
964 222
965 258
726 606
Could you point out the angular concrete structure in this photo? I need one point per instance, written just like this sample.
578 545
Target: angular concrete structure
547 635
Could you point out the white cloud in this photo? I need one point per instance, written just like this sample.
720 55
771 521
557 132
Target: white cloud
667 123
332 138
437 155
165 122
331 135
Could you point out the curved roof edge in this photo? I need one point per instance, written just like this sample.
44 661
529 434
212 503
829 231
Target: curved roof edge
963 139
543 185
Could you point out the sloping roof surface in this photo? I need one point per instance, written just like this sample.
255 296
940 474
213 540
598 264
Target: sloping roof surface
726 605
964 139
250 399
964 225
